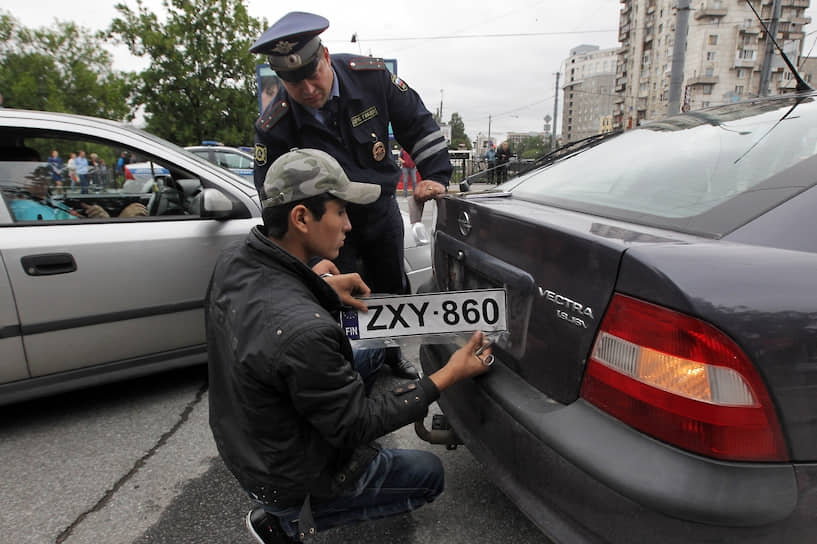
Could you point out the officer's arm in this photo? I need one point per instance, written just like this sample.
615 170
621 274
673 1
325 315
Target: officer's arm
417 131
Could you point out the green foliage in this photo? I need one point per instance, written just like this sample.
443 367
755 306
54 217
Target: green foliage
530 147
64 68
458 135
201 80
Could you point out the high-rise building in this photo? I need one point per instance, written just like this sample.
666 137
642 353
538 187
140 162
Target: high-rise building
589 76
723 59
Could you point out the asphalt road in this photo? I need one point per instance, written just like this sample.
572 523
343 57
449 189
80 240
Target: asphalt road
135 462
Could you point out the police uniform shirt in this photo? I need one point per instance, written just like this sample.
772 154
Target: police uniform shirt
370 98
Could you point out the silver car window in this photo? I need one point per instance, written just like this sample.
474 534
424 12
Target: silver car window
47 178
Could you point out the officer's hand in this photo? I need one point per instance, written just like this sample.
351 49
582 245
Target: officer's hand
95 211
428 189
134 209
325 266
348 286
464 363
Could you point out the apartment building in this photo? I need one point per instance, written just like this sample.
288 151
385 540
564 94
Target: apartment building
589 77
724 54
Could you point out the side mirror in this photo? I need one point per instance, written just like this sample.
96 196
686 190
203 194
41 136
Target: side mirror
214 205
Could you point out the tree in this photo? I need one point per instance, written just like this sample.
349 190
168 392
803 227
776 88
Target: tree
201 80
65 68
530 147
458 135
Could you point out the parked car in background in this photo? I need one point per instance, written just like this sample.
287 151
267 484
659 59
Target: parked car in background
91 289
234 160
658 381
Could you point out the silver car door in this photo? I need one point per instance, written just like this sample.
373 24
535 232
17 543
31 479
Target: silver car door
90 294
12 358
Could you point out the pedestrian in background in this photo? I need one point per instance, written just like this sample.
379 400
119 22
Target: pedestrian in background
409 170
55 165
343 105
503 155
490 159
72 169
119 167
81 164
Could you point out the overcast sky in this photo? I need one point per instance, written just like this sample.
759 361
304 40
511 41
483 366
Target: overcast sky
494 59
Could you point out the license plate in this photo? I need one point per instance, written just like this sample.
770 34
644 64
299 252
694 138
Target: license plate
427 314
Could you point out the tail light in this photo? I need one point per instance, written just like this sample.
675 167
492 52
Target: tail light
128 174
681 381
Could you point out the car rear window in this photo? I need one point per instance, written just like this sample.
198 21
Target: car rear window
707 172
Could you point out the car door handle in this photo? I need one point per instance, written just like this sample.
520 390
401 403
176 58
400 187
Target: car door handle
48 264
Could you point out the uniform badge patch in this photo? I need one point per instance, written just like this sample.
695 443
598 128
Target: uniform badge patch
261 154
361 118
399 83
283 47
378 151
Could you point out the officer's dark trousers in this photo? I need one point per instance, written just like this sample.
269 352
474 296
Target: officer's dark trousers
374 246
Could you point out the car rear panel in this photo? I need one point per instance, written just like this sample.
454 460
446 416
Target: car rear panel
578 473
559 270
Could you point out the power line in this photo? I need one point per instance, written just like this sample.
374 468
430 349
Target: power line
471 36
524 34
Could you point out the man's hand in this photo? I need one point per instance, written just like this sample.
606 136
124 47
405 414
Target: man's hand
134 209
464 363
428 189
347 286
95 211
325 266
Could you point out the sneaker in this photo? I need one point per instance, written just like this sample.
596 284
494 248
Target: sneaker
403 368
265 527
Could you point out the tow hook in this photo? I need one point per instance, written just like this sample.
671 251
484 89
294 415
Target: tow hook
440 433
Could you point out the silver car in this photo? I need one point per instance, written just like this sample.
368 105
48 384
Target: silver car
234 160
92 289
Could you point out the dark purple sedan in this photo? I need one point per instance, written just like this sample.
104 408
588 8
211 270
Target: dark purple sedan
658 382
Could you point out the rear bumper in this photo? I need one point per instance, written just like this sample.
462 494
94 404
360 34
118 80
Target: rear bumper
583 476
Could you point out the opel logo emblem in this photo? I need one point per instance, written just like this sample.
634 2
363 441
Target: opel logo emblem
464 221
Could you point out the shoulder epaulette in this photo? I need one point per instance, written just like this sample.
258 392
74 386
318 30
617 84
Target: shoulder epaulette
367 63
272 115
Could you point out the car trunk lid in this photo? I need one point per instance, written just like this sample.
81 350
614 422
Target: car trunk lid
559 270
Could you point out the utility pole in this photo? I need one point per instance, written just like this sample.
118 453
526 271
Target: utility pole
489 130
768 56
678 56
555 112
441 106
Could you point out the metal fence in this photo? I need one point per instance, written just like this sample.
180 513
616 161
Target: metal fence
477 170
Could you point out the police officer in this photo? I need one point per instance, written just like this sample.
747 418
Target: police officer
343 105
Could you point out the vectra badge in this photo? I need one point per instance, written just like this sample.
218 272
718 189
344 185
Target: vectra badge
569 310
464 221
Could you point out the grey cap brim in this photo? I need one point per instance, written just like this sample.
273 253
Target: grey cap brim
357 193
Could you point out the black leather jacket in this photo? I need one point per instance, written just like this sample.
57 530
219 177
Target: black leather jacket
289 413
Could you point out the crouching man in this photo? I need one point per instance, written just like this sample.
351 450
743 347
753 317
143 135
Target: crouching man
288 408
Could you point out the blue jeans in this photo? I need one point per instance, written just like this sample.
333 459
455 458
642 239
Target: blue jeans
397 481
409 175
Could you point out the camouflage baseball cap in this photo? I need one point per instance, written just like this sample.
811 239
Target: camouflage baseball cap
303 173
